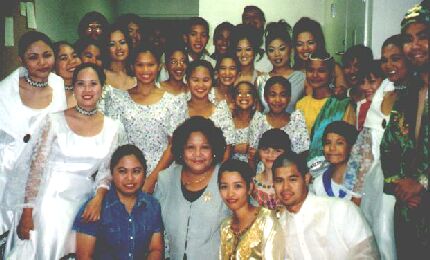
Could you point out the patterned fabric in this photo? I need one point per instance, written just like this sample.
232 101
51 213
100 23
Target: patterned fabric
310 108
403 157
241 137
147 126
264 195
333 110
295 129
263 240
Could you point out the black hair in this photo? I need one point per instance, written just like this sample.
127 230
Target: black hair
275 138
31 37
277 80
92 17
343 129
361 53
253 8
83 43
290 158
125 19
199 63
99 70
235 92
113 28
326 58
396 40
306 24
146 47
125 150
174 47
202 125
197 21
245 31
234 165
222 27
227 55
278 30
374 68
57 46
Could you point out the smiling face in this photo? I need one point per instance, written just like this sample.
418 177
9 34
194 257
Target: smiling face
134 33
118 47
200 83
416 45
305 45
369 86
351 72
146 68
233 190
244 98
66 62
268 155
198 155
336 149
318 74
393 63
291 187
245 53
87 89
128 176
277 98
196 39
278 53
177 65
39 60
222 42
227 72
92 55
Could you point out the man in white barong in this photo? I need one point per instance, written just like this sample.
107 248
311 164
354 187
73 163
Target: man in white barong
318 227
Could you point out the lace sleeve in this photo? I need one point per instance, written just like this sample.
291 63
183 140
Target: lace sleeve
178 114
222 119
111 102
254 130
41 153
103 177
359 163
299 134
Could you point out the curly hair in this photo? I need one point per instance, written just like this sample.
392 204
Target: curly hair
204 126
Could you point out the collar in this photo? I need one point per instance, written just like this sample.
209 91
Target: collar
112 199
304 208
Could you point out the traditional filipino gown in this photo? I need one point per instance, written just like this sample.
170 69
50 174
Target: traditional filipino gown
264 239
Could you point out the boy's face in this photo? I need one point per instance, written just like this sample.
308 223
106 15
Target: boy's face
291 187
196 39
351 72
369 86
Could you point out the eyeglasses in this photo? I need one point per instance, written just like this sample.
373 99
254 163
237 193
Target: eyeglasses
94 27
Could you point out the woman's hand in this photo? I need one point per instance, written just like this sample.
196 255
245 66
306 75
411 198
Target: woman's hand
25 224
94 206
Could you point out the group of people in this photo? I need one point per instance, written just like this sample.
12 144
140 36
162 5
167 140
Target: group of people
135 143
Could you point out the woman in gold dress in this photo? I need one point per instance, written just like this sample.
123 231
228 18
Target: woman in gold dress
251 232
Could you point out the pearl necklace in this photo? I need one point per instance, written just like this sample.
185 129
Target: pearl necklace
85 112
35 84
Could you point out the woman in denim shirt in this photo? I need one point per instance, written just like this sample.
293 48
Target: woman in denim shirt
191 206
130 226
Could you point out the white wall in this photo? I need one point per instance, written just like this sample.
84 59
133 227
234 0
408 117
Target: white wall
218 11
386 18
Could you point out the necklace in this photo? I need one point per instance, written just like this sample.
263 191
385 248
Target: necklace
68 87
262 185
85 112
35 84
196 181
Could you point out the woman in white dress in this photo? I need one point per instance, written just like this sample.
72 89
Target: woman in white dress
199 77
149 113
71 161
27 95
